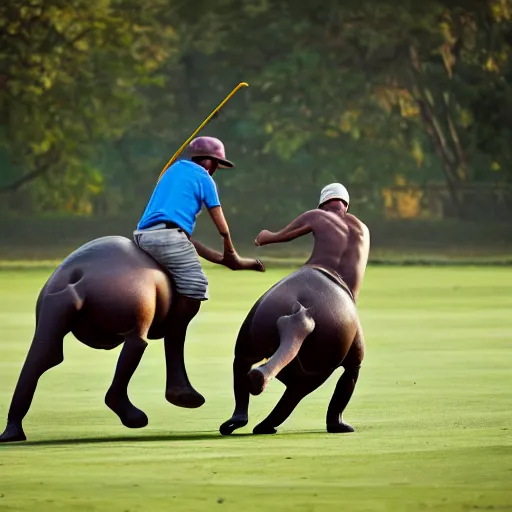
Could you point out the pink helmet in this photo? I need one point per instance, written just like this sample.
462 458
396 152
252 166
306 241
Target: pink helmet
209 147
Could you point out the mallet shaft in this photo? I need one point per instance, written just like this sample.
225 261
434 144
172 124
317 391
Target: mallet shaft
201 126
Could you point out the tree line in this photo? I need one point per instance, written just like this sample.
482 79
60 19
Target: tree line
96 95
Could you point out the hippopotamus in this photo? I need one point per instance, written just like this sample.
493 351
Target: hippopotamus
109 292
307 325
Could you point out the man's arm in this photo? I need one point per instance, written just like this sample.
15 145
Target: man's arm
208 254
235 263
299 227
221 224
212 203
366 245
230 258
363 261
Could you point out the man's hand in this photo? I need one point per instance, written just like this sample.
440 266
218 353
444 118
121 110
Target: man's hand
250 264
230 258
232 261
263 238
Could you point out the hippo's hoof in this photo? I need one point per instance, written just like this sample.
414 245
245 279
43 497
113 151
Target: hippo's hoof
340 428
264 429
187 398
234 423
257 382
13 433
129 415
136 419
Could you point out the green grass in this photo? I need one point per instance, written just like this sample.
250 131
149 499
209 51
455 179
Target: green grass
433 410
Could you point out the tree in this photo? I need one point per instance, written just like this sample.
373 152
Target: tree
371 93
69 82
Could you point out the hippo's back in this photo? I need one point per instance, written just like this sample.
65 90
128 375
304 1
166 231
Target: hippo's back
110 255
118 284
109 249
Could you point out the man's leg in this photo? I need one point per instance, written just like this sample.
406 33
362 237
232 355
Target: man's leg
178 390
173 250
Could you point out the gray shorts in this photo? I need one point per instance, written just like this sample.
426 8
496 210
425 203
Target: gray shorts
173 250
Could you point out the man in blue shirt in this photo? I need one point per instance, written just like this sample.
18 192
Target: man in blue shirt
179 196
165 231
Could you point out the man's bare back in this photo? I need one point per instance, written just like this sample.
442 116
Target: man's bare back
342 241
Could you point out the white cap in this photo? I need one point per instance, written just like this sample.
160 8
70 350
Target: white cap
334 191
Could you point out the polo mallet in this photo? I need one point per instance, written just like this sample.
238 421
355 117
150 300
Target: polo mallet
201 126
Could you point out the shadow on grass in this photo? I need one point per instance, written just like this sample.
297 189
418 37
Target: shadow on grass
208 435
171 437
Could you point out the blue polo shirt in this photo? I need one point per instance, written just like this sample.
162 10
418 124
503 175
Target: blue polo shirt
180 195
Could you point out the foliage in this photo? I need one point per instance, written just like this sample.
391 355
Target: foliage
71 79
375 94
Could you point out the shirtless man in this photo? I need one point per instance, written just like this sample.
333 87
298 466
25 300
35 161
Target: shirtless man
307 324
342 241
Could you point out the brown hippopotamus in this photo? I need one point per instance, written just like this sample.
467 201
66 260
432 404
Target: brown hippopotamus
306 325
108 292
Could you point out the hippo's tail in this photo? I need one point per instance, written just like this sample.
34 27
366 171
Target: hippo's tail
299 324
293 330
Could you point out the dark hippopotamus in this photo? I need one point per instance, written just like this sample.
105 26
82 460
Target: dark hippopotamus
307 325
106 293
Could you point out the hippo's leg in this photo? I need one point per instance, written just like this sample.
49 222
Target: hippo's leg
241 366
293 394
117 396
53 317
293 330
178 390
345 386
245 357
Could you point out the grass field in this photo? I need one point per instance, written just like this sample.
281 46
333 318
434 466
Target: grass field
433 410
